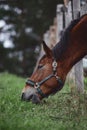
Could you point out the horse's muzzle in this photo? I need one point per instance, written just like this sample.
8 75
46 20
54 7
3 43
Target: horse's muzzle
32 97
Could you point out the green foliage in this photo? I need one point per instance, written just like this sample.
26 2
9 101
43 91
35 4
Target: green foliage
27 20
63 111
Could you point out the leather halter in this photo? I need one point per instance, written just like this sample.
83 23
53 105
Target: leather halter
37 85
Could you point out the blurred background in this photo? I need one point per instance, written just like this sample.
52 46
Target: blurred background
22 24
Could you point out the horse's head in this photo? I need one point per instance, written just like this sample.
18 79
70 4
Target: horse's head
47 78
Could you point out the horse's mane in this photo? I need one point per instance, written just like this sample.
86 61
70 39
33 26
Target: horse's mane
61 46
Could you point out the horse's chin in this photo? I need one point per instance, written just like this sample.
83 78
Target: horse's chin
30 95
35 99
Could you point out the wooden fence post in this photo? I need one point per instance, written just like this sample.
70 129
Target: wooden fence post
46 38
66 2
52 38
68 12
68 19
59 22
79 65
84 8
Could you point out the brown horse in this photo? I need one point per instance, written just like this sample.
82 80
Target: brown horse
53 67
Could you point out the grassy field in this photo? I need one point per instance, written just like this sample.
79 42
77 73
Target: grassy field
63 111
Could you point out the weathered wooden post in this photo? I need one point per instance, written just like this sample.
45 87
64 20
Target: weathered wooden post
46 38
66 2
79 65
52 33
68 19
59 22
84 7
67 12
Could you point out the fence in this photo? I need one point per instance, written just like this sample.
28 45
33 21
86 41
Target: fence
64 14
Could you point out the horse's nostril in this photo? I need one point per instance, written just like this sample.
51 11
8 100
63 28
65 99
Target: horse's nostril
23 96
26 97
30 97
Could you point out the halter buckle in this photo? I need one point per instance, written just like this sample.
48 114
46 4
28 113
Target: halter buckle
36 85
54 65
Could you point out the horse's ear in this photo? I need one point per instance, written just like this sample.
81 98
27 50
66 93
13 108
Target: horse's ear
47 50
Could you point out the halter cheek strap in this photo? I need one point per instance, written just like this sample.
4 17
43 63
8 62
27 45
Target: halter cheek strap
37 85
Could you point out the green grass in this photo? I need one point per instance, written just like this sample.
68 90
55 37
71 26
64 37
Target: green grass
63 111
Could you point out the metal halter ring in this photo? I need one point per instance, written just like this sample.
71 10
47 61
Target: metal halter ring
54 65
36 85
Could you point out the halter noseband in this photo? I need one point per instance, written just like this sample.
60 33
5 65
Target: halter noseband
37 85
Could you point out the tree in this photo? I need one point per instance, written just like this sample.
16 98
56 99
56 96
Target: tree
26 22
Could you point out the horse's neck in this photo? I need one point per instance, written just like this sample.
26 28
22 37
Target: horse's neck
75 49
74 54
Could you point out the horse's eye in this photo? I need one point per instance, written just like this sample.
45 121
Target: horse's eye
40 66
